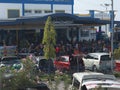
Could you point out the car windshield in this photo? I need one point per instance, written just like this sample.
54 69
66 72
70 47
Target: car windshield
65 59
98 77
101 88
105 57
12 60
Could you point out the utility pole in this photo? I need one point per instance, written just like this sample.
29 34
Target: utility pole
112 34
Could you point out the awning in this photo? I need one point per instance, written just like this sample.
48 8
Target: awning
39 21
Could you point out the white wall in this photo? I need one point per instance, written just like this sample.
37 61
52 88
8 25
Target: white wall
92 34
4 8
67 8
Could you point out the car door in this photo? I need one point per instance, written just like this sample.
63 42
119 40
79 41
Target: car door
57 62
105 62
94 61
62 63
90 61
87 61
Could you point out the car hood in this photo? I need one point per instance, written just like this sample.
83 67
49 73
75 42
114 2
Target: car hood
103 84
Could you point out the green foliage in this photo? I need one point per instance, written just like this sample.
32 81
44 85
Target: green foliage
49 39
117 53
117 74
20 79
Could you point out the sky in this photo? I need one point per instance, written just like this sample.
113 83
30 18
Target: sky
83 6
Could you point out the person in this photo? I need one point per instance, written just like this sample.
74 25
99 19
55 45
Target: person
83 87
71 63
81 64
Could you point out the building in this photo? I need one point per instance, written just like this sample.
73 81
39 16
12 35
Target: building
25 19
17 8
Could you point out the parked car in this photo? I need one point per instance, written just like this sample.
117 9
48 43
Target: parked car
72 63
45 65
41 86
98 62
94 81
11 62
117 68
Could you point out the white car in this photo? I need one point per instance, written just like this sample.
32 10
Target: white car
11 62
98 62
93 81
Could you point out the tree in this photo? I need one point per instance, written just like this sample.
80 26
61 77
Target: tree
117 53
49 39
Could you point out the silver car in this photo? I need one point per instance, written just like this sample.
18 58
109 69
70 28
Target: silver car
94 81
98 62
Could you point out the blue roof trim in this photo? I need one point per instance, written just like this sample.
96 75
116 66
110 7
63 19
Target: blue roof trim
37 1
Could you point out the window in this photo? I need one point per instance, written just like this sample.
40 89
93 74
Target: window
84 33
105 57
60 11
48 11
76 83
63 59
28 11
13 13
38 11
89 57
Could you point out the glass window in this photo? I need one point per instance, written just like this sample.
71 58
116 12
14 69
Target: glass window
48 11
28 11
38 11
84 33
60 11
76 83
64 59
11 60
13 13
105 57
89 57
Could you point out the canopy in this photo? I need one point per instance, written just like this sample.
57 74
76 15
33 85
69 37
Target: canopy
58 18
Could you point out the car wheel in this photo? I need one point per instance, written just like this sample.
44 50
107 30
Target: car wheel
94 68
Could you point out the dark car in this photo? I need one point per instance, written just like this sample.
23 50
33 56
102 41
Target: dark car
41 86
46 65
72 63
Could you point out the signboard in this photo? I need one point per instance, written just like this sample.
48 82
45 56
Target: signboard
102 15
7 51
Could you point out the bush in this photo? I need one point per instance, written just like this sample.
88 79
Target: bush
117 53
19 79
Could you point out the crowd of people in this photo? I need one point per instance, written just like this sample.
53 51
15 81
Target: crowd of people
74 48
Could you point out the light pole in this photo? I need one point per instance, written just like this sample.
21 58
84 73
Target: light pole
106 5
112 34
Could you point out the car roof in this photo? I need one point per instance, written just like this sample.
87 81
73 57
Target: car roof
79 76
9 57
104 84
99 53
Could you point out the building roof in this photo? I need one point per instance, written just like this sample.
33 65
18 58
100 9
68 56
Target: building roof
56 17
